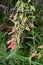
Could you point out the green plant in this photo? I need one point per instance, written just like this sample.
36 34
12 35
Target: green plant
25 42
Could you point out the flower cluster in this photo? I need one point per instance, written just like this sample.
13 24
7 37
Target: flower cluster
35 53
11 44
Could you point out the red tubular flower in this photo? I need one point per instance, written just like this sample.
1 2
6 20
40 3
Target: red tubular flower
10 43
12 39
11 32
12 46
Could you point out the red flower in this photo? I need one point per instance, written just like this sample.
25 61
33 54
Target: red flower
12 39
12 46
10 43
11 32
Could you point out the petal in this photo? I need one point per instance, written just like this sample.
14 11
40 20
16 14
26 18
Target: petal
27 28
10 46
8 42
33 54
12 39
41 46
39 56
13 47
11 32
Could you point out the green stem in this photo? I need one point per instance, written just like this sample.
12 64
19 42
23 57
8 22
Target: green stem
33 32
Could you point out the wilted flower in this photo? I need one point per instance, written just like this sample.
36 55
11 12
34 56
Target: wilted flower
13 30
33 55
15 17
21 17
10 16
28 28
39 56
23 21
18 39
16 24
